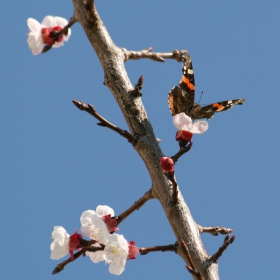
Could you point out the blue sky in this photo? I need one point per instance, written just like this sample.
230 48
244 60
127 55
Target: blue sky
56 163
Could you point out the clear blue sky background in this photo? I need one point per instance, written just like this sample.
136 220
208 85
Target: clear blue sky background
56 163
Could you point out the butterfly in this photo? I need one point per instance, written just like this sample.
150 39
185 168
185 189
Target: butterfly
181 99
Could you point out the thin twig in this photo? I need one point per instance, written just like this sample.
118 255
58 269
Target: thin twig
136 91
227 242
137 205
170 248
191 267
182 151
103 122
146 53
86 246
215 230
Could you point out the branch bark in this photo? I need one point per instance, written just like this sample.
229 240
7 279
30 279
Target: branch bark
116 79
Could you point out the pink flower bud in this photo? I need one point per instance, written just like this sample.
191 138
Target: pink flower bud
167 164
184 135
74 243
133 251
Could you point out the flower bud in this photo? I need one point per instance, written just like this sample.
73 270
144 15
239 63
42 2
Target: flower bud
167 164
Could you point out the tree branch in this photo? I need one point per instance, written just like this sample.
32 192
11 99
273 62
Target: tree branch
215 230
136 206
146 53
116 79
86 245
191 266
181 152
103 122
227 242
170 248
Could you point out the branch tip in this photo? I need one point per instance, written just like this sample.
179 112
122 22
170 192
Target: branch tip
103 122
181 152
214 230
227 242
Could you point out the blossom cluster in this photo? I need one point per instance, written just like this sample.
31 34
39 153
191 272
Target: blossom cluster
99 226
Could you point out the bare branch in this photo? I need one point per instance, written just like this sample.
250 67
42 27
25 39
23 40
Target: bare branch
170 248
182 151
136 206
116 79
215 230
227 242
86 245
146 53
103 122
136 91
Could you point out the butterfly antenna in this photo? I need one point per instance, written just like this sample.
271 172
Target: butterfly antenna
200 97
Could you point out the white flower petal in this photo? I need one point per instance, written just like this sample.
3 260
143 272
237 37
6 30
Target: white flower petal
93 227
35 43
182 121
59 21
97 256
86 216
48 21
34 25
60 245
117 268
103 210
59 232
199 127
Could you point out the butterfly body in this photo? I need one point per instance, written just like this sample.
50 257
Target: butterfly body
181 99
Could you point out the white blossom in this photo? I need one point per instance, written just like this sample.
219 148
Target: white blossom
116 252
60 245
184 122
35 39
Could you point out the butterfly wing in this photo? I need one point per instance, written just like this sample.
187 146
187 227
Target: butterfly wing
181 99
208 111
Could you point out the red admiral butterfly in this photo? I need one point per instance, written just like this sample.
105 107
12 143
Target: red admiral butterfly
181 99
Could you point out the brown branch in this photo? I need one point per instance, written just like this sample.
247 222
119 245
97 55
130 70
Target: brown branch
136 91
191 266
170 248
57 34
215 230
174 191
218 254
112 59
86 245
146 53
103 122
136 206
182 151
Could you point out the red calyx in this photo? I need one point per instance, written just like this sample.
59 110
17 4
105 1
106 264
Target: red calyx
49 35
74 243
